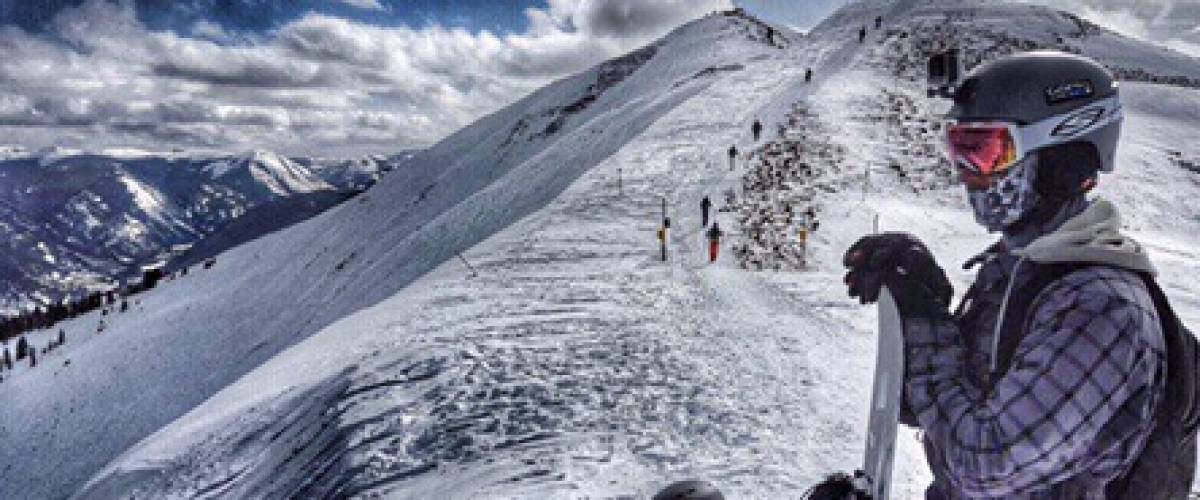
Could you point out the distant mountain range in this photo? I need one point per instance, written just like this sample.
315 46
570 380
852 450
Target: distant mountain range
73 221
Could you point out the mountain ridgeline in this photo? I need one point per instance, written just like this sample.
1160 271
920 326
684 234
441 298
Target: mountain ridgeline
74 223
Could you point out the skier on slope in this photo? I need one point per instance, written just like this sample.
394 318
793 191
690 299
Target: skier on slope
1048 380
733 152
664 236
714 241
756 129
705 204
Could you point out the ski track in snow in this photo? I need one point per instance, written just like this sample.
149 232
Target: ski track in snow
577 365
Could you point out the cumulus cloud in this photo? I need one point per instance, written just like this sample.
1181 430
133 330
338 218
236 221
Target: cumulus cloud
317 84
365 4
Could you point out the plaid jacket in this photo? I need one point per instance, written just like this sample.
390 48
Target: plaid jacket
1074 408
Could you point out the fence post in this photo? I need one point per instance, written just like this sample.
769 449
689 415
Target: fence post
468 264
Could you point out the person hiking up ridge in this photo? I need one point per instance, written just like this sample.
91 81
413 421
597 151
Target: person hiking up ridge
714 241
664 236
733 152
756 129
1047 381
705 204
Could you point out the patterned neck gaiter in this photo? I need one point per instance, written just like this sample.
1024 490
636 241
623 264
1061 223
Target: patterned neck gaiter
1009 199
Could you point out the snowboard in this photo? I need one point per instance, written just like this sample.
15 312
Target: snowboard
885 399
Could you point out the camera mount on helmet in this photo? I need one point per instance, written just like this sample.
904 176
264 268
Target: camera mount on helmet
945 71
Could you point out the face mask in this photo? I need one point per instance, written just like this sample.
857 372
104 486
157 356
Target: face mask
1008 199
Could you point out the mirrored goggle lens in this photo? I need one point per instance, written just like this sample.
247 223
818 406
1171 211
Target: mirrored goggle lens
986 150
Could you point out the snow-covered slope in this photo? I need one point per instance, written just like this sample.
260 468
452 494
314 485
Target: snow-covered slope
72 222
357 173
191 337
576 365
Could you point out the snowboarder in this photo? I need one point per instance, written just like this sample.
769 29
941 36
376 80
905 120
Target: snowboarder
733 152
714 241
808 75
862 34
705 204
756 129
664 236
802 241
1047 380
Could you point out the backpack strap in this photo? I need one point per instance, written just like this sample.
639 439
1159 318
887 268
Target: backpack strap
1019 311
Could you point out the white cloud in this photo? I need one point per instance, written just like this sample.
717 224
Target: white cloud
1122 21
314 85
365 4
1183 46
211 31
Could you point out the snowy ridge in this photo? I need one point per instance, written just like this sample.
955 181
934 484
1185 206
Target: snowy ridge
985 29
262 297
575 365
281 175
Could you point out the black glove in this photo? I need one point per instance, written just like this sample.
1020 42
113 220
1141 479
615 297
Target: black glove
905 265
840 486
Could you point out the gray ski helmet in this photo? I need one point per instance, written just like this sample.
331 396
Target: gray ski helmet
1053 97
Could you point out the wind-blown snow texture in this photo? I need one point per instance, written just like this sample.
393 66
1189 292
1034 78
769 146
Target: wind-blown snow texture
574 364
74 222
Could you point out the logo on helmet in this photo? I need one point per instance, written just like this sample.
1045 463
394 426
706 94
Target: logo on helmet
1078 122
1069 92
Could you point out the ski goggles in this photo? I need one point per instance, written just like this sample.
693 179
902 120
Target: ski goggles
983 151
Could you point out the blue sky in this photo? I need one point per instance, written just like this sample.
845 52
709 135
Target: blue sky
500 16
347 77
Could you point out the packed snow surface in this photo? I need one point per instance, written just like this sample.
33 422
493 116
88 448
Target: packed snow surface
567 360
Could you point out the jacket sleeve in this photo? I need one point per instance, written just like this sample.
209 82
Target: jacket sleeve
1078 397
